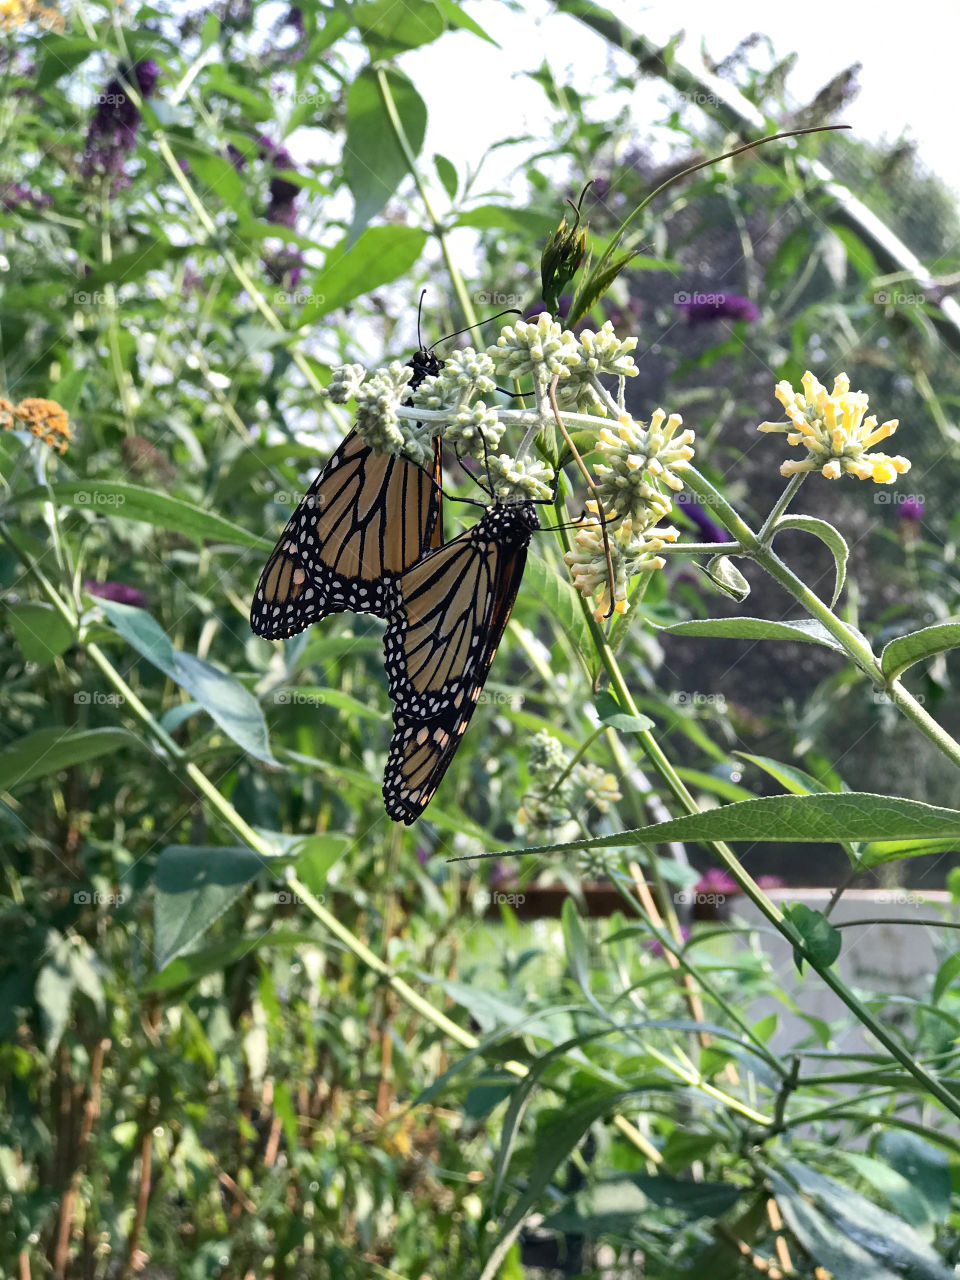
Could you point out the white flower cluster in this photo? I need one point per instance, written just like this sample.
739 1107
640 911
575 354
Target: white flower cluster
640 461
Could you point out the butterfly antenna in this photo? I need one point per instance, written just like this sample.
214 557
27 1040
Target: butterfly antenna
511 311
423 294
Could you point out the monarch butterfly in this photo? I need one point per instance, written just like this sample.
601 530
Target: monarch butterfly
445 618
365 514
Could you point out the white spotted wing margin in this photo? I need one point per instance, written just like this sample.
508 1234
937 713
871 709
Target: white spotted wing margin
445 618
366 514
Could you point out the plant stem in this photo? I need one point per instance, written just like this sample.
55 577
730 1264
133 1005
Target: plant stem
403 142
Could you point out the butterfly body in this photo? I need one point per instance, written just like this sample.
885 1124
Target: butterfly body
445 618
366 514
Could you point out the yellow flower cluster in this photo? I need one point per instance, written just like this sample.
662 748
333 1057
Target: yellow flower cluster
633 547
16 13
43 418
836 434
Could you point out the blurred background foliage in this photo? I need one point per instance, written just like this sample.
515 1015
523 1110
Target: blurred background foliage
180 279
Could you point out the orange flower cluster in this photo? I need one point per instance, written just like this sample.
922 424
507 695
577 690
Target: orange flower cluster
43 418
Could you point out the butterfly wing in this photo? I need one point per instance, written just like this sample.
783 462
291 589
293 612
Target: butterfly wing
448 615
366 514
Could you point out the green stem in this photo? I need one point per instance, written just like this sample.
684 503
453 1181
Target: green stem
403 142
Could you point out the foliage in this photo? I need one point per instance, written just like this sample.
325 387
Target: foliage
248 1025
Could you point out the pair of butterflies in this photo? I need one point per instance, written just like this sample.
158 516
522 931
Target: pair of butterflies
367 537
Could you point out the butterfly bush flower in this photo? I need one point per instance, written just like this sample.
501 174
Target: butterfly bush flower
523 479
640 458
541 350
345 382
591 785
474 431
633 547
112 135
836 434
44 419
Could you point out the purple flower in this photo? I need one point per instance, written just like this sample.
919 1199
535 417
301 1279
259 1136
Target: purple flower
283 192
236 157
770 882
911 508
423 855
700 307
655 946
112 135
716 880
623 317
118 592
12 195
712 532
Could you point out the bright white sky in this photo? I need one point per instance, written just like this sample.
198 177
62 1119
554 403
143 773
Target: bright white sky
909 66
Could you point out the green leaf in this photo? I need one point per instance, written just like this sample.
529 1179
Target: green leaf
191 968
804 629
373 162
559 599
388 28
828 1246
821 939
381 255
926 1169
946 976
316 855
618 1204
914 647
830 537
134 502
524 222
849 815
724 574
55 55
455 17
195 885
47 751
447 173
575 945
42 632
877 852
797 781
130 266
880 1236
555 1140
233 707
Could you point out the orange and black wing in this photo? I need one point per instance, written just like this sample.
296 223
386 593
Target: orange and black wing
367 514
446 617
